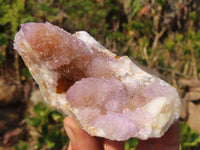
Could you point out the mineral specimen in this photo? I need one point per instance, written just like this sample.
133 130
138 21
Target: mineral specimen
109 96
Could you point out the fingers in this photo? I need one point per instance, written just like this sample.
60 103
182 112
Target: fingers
113 145
79 139
70 146
169 141
149 144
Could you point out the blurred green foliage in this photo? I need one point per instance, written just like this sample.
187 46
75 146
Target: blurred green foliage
49 125
189 137
155 33
21 146
131 144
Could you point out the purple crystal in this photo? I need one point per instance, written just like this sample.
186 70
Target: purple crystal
109 96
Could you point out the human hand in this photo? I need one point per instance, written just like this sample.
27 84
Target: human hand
81 140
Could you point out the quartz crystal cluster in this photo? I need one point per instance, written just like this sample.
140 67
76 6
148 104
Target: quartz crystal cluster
109 96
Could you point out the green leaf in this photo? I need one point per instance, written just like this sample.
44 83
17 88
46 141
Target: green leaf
57 116
26 73
26 18
50 144
41 109
44 130
189 137
136 7
54 132
179 37
21 146
161 61
191 34
169 44
198 70
137 25
186 50
2 58
93 31
20 4
193 15
3 39
35 122
16 147
131 144
40 142
161 2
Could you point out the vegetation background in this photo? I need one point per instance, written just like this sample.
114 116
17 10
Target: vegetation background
162 35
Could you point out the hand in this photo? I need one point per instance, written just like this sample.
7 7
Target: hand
81 140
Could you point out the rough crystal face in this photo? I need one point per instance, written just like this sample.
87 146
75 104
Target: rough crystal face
109 96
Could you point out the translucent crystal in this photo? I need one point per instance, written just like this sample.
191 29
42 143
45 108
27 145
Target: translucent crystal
109 96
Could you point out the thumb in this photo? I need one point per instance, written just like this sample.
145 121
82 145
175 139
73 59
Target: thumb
79 139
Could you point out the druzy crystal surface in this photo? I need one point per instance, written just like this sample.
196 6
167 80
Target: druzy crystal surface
109 96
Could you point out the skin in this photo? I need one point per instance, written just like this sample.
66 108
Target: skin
81 140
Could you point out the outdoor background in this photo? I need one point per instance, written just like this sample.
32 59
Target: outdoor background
161 35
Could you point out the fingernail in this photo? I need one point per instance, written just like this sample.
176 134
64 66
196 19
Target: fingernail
70 135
